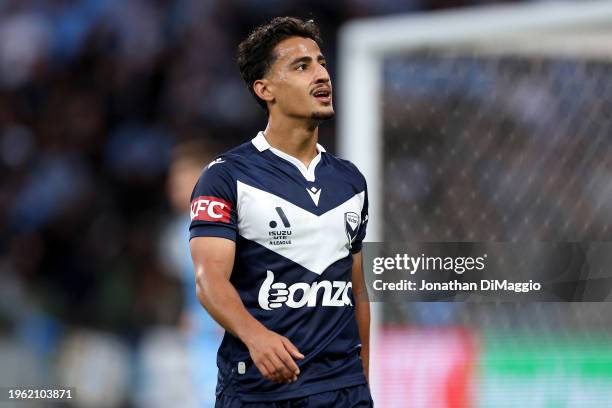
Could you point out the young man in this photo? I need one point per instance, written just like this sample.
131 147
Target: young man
276 232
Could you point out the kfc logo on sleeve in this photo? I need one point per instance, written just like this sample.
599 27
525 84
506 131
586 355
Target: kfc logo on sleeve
207 208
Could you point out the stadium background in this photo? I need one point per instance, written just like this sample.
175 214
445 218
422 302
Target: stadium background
108 111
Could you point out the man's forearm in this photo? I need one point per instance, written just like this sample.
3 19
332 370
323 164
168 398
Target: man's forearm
273 354
221 300
362 314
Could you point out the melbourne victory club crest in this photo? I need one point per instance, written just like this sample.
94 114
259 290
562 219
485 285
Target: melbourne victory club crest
351 225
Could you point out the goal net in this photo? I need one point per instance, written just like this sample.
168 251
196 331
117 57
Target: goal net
489 124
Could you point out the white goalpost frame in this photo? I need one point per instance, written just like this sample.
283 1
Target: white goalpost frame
363 45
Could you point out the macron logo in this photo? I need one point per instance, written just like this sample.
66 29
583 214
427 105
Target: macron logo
206 208
216 161
315 193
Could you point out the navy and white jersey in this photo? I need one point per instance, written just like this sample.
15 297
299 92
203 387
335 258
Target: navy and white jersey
295 229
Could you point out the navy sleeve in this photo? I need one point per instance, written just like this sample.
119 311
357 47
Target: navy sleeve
213 203
358 242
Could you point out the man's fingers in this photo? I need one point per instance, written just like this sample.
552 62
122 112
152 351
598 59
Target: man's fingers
288 362
295 353
264 370
274 373
274 358
284 373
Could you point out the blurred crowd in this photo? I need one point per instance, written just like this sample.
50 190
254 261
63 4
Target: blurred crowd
109 110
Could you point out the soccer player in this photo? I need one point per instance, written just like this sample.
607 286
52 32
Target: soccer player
276 234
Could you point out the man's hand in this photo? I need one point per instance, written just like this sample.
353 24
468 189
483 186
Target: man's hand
273 355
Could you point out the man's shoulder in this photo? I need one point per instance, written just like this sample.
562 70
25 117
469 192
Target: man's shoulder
230 161
242 151
239 154
347 167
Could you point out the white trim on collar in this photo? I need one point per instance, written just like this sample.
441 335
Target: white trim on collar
262 144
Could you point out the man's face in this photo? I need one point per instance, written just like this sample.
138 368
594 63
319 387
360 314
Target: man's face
299 82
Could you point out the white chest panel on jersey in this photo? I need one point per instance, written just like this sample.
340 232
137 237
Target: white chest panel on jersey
312 241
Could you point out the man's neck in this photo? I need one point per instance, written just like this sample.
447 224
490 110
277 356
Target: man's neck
296 138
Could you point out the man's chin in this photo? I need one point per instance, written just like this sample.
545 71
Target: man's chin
323 115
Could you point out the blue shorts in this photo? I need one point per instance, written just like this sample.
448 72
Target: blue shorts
357 396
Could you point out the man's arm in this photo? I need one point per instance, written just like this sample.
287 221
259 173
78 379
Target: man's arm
362 310
272 353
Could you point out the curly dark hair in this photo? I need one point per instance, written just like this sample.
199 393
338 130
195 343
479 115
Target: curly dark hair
255 54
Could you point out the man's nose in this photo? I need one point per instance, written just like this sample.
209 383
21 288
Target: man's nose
322 76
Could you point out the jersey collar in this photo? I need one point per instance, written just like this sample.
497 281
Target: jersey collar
262 144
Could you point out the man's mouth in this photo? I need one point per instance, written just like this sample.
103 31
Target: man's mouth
323 95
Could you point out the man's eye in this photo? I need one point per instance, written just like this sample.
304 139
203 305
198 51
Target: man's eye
301 67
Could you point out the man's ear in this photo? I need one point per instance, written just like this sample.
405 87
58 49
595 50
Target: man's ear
263 89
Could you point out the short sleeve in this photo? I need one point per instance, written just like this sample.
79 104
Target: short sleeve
361 233
213 203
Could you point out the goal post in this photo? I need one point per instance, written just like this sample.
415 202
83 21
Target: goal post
578 29
363 44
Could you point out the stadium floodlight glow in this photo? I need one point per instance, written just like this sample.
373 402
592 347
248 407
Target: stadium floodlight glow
545 28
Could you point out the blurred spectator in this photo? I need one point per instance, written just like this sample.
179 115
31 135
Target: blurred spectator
202 333
97 365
